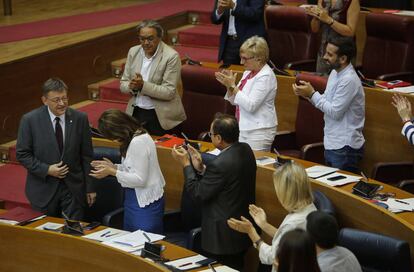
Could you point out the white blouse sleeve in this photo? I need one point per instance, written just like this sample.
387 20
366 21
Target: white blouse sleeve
133 172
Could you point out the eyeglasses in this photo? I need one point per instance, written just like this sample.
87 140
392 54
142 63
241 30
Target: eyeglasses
58 100
148 39
210 134
246 58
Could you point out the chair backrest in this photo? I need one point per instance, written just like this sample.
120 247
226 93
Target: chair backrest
389 46
289 35
309 120
109 192
376 252
203 96
393 172
323 203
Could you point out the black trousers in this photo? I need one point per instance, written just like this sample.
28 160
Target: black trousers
149 120
235 261
231 53
63 204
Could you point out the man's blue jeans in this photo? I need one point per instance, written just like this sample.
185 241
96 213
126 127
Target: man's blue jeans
345 158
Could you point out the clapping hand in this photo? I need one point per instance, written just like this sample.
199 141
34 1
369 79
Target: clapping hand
243 225
102 168
403 107
303 89
196 158
181 155
226 77
258 215
222 5
137 82
319 13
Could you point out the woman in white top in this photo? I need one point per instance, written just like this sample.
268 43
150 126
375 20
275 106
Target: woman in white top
139 172
254 95
294 192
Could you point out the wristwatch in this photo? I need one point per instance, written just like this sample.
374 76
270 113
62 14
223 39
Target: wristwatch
231 88
257 243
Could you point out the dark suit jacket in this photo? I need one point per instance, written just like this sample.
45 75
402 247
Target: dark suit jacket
249 21
225 190
37 148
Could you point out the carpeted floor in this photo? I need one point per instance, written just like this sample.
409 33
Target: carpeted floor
93 20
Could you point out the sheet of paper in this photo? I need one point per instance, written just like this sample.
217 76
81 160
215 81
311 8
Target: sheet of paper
105 234
395 206
126 248
317 171
9 222
187 263
137 238
50 226
265 160
406 90
339 182
222 268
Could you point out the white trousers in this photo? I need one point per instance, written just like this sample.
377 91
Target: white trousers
259 139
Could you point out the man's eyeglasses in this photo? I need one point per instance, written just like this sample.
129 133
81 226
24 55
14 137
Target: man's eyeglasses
148 39
211 134
59 99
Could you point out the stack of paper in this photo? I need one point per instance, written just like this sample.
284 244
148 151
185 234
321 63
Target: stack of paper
50 226
106 234
265 160
399 205
332 180
319 171
133 241
187 263
221 268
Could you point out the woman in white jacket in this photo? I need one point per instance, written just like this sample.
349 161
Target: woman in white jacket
254 95
139 172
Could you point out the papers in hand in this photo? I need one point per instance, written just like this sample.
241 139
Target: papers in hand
106 234
265 160
399 205
319 171
187 263
345 179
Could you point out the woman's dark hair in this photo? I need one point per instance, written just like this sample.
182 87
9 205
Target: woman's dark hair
117 125
297 252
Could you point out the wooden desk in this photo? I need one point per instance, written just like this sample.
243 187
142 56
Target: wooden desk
29 249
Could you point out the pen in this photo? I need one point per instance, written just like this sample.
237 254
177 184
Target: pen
112 234
211 267
403 202
364 177
146 236
184 264
105 233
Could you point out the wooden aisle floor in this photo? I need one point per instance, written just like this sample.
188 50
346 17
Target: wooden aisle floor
30 11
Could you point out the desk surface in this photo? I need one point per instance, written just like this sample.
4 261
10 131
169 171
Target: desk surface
26 248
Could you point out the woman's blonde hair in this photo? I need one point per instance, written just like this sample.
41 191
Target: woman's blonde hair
292 186
256 47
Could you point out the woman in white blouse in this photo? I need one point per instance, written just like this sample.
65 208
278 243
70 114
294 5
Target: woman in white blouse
139 172
294 192
254 95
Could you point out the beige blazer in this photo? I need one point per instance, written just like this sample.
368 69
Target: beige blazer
161 86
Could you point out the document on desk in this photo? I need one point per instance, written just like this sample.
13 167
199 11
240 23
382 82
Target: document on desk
137 238
187 263
222 268
50 226
319 171
406 90
399 205
105 234
265 160
338 179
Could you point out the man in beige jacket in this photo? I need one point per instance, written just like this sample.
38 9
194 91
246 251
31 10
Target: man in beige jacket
151 76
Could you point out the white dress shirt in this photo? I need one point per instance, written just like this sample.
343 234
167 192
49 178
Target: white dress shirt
343 105
232 26
292 221
144 101
338 259
140 170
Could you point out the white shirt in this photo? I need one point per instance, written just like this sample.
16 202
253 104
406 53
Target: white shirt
338 259
257 100
343 105
232 26
408 132
62 122
292 221
140 170
144 101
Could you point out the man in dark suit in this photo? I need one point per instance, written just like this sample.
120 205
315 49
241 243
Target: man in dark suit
225 188
241 20
54 145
